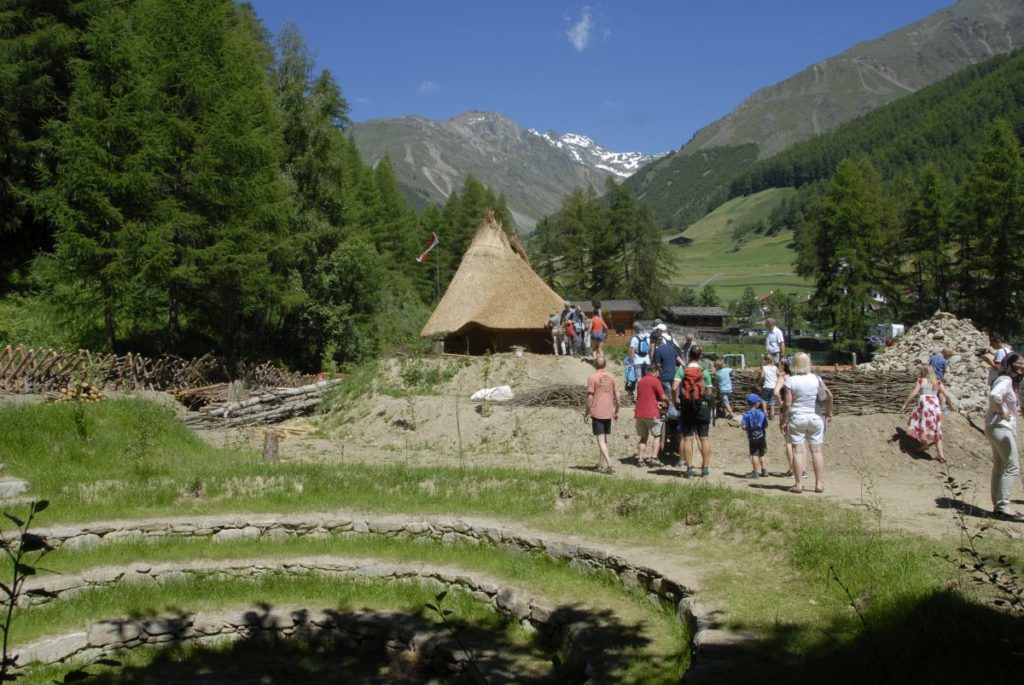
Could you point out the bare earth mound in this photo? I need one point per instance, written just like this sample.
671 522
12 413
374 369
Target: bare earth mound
870 464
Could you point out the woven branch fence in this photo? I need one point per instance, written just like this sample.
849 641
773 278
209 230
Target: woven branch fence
39 370
855 392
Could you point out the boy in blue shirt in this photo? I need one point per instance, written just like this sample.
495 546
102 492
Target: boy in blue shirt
723 384
755 423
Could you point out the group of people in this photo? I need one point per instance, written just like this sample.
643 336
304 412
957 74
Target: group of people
573 333
1005 375
676 396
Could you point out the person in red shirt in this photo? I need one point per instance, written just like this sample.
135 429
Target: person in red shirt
602 408
598 333
650 400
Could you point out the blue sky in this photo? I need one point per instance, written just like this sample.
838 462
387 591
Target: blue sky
634 76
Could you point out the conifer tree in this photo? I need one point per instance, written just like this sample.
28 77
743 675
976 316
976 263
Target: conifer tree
926 240
990 231
843 241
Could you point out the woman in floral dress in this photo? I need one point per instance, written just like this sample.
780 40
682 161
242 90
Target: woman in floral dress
926 419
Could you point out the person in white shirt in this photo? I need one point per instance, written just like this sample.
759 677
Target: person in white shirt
804 426
994 356
768 376
1001 431
640 349
774 341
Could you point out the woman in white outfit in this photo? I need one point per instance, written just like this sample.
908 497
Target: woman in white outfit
1001 431
803 424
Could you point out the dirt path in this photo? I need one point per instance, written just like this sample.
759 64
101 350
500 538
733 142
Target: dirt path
869 463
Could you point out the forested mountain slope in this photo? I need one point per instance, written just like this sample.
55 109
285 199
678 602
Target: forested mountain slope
823 96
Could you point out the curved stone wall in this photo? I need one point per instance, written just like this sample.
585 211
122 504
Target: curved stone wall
659 587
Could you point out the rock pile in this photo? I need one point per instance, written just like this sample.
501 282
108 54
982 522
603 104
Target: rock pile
966 375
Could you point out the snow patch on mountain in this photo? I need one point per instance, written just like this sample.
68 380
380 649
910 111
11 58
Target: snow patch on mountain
585 151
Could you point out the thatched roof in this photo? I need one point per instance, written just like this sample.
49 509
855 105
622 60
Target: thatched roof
494 288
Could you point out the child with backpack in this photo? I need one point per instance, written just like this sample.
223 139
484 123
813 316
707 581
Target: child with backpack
755 423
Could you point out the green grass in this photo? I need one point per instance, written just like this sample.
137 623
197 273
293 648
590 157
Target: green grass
761 262
769 558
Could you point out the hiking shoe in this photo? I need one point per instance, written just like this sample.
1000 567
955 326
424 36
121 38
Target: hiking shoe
764 472
803 474
689 472
705 472
753 474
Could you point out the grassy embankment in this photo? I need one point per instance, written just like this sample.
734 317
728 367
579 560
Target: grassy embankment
771 562
761 262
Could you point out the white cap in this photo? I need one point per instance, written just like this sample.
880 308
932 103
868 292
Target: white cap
661 327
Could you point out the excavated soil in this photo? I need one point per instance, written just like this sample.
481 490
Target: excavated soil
870 463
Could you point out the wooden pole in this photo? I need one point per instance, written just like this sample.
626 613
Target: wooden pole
271 446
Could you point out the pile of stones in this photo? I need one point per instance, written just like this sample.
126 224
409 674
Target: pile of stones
966 375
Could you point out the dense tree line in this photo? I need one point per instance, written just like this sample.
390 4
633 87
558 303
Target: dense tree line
608 247
177 182
932 245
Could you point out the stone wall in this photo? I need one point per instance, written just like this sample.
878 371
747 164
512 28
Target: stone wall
569 629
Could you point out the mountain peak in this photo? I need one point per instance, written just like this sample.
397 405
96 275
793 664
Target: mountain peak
533 170
585 150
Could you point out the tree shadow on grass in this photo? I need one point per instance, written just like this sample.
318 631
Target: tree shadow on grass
302 647
934 640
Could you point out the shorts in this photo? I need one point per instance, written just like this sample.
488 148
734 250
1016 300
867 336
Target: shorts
647 427
725 397
601 426
695 422
598 336
768 395
806 427
758 446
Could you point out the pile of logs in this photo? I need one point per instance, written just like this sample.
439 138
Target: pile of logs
26 370
854 392
271 406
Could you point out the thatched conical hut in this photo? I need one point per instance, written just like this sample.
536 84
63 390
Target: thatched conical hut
495 300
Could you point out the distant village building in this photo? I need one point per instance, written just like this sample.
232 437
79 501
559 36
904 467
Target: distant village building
495 300
709 319
618 314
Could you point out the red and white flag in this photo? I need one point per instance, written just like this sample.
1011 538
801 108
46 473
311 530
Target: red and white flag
433 243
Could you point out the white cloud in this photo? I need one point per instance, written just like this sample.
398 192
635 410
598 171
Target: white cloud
362 101
428 88
579 34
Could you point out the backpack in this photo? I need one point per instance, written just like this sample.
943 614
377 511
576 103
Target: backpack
643 345
570 328
692 391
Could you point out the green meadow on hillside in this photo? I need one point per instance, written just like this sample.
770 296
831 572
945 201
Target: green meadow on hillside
761 262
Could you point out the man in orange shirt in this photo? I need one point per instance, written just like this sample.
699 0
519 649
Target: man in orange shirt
602 409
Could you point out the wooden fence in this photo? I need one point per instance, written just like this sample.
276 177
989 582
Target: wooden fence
854 392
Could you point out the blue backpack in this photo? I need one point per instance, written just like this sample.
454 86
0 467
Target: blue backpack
643 345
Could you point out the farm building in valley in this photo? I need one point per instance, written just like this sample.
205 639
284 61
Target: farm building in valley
711 319
618 314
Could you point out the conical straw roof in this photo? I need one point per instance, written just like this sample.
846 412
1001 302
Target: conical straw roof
494 288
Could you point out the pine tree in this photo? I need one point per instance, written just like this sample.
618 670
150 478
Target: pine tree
169 188
926 239
990 230
39 41
842 248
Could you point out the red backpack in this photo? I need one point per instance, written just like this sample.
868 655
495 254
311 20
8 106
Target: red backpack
693 390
